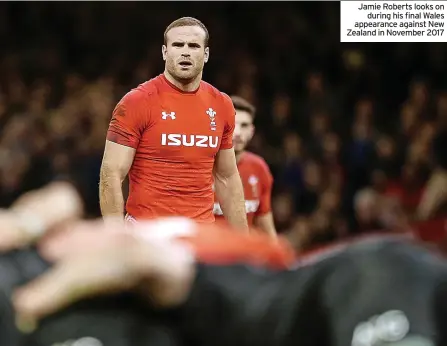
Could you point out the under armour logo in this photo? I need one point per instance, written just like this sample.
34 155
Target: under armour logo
165 115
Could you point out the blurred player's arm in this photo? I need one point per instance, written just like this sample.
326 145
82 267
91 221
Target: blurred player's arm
125 130
264 217
265 223
162 272
434 196
35 213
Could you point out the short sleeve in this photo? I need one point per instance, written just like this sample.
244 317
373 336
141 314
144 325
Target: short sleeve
265 199
129 120
230 116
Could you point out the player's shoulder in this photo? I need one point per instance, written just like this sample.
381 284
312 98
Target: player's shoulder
215 93
151 87
141 93
258 164
255 160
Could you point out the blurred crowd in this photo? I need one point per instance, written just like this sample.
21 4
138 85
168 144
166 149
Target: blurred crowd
347 129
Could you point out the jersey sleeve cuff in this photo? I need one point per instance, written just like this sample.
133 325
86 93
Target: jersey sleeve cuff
226 146
122 139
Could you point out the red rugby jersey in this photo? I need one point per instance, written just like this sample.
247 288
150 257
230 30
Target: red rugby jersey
257 181
176 135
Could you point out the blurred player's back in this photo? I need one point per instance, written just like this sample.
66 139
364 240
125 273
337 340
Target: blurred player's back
373 293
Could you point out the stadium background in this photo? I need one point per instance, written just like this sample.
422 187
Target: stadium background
347 129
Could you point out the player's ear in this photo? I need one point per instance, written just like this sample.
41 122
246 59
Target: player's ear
252 131
163 52
207 54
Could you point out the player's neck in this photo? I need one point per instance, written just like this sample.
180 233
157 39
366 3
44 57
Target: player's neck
186 87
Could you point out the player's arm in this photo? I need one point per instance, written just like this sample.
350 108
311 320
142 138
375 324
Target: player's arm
265 223
434 195
227 181
125 130
116 163
264 217
35 213
115 262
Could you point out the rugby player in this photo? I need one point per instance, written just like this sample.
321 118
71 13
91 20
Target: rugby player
172 135
254 171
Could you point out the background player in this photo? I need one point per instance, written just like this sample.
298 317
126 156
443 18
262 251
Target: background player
172 134
254 171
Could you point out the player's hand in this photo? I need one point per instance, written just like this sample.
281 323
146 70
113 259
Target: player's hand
77 238
100 263
104 267
12 234
37 212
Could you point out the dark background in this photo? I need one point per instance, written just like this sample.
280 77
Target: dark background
347 129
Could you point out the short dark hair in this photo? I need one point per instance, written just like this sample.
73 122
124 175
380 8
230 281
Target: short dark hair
241 104
187 21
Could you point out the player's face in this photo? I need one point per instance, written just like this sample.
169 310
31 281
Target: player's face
185 53
243 130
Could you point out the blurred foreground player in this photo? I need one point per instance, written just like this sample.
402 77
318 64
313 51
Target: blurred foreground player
172 134
94 323
377 292
254 171
119 321
380 291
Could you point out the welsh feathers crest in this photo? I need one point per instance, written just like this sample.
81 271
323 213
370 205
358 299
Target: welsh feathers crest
212 114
